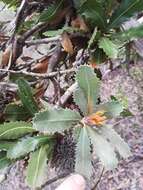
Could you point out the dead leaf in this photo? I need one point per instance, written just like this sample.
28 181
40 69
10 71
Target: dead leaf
93 64
3 38
39 93
79 23
67 44
40 90
42 66
6 56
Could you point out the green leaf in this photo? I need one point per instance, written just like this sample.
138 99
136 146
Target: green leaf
110 6
10 3
26 97
94 12
92 39
26 146
103 149
80 100
131 34
126 113
15 112
55 120
4 161
98 56
79 3
124 11
49 13
83 154
116 141
14 130
52 33
6 145
110 48
36 170
90 85
112 109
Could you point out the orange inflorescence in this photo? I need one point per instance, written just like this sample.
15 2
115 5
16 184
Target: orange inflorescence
97 118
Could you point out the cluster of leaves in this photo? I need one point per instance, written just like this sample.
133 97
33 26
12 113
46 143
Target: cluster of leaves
104 20
33 134
11 3
37 139
107 18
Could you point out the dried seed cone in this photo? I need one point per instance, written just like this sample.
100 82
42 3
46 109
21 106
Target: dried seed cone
64 154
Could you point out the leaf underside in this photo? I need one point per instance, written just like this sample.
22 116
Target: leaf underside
103 149
83 154
116 141
6 145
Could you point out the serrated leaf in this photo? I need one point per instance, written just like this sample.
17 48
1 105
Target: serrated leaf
26 146
35 175
110 48
91 41
90 85
15 112
83 154
6 145
132 33
26 96
80 100
116 141
67 43
4 161
112 109
55 120
103 149
125 10
15 130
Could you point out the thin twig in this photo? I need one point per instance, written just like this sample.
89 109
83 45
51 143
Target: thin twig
47 75
68 93
98 181
43 41
55 58
18 18
8 86
21 9
30 32
3 8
